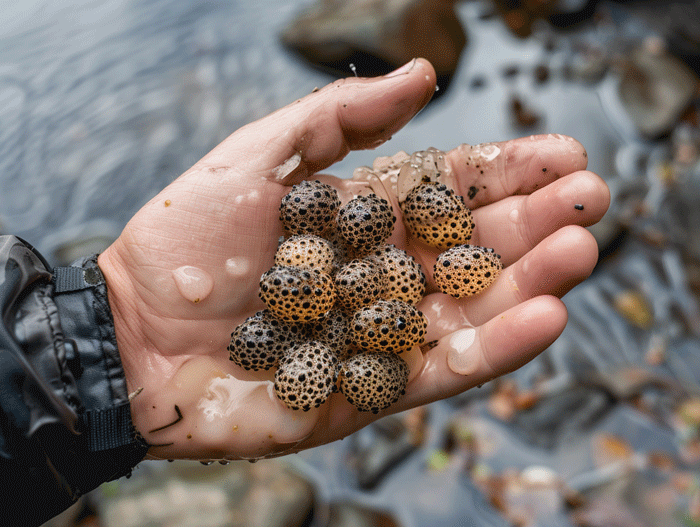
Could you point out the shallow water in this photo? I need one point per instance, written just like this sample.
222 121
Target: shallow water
105 103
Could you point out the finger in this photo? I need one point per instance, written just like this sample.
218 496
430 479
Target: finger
553 267
471 356
489 172
515 225
320 129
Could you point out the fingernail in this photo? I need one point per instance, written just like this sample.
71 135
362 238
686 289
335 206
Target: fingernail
402 70
462 353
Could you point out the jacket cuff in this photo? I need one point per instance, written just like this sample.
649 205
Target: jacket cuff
81 297
65 420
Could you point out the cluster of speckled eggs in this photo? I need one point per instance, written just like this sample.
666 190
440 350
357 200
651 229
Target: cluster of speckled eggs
341 303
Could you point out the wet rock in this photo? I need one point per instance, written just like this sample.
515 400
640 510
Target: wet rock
655 89
636 309
393 439
375 36
355 515
605 511
627 383
521 16
588 65
610 449
523 115
279 498
678 23
187 494
532 496
543 425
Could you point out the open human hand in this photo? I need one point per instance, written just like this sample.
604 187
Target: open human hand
185 271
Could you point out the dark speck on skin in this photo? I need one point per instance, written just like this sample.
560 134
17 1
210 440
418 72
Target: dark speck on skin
578 206
472 192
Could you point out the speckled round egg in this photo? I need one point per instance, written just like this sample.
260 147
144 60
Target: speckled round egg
295 294
334 330
306 250
359 283
259 341
306 376
437 216
365 222
309 208
404 277
466 270
389 326
373 381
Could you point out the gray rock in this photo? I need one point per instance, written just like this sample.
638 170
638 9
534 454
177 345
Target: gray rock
375 36
655 89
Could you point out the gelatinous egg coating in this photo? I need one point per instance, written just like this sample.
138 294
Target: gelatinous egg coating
306 376
437 216
389 326
466 270
404 278
294 294
306 250
333 330
421 167
309 208
259 342
365 222
373 381
359 283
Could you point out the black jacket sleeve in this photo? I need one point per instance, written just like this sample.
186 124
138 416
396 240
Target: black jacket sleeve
65 421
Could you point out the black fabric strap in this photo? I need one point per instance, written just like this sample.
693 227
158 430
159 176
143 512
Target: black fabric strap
67 279
108 428
80 292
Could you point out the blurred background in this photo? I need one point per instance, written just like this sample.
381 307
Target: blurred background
103 103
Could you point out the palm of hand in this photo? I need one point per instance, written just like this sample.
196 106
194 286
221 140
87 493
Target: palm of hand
186 269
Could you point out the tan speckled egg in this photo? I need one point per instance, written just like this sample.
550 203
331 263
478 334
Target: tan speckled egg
333 330
306 376
306 250
309 208
365 222
466 270
389 326
437 216
294 294
359 283
404 278
373 381
259 341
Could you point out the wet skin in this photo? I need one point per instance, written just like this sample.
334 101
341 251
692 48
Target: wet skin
185 270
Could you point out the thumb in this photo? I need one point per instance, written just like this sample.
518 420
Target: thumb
314 132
